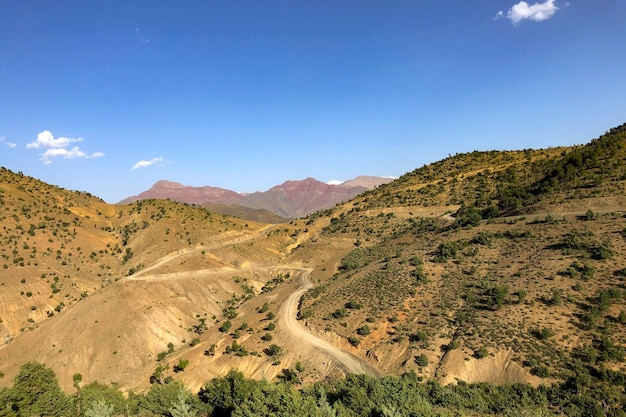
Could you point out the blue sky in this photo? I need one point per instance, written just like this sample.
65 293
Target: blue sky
109 97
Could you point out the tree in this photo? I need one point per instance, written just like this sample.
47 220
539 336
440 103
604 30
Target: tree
36 391
223 393
182 408
96 392
99 408
161 399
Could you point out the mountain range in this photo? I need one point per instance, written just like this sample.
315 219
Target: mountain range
292 199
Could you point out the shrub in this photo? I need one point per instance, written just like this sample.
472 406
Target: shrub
339 313
481 353
181 365
354 341
273 350
421 360
364 330
543 333
603 251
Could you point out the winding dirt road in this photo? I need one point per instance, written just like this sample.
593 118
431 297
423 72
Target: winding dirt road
287 316
288 311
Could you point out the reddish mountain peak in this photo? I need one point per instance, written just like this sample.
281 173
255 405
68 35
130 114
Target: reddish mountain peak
308 180
188 194
164 184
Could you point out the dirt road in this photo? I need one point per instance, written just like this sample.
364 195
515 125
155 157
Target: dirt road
182 252
288 318
288 310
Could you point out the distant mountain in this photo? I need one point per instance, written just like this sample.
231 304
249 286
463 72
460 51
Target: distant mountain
186 194
367 182
292 199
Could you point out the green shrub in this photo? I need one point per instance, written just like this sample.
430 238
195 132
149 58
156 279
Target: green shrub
421 360
364 330
225 326
481 353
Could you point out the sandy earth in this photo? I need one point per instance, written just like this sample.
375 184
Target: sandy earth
287 312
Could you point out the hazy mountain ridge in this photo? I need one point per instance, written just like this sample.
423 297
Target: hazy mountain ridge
292 199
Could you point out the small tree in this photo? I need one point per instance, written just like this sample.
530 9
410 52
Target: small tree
182 407
181 365
99 408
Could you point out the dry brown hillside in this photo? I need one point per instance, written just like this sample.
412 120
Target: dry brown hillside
488 266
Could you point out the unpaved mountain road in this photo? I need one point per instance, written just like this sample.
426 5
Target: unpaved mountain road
169 257
287 314
288 317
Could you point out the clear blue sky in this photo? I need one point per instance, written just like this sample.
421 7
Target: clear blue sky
247 94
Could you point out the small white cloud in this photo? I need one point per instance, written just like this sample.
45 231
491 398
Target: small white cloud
57 148
536 12
45 139
9 144
144 164
47 156
335 182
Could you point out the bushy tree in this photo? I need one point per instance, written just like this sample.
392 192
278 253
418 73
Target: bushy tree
96 392
36 391
161 399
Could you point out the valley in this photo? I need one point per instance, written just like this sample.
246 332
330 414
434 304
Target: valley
487 267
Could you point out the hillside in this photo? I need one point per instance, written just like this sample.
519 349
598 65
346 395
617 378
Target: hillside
497 266
67 258
492 266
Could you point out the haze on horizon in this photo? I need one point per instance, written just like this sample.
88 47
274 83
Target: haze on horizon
111 97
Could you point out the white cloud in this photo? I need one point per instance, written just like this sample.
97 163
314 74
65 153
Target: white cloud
45 139
9 144
144 164
537 11
47 156
58 148
335 182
